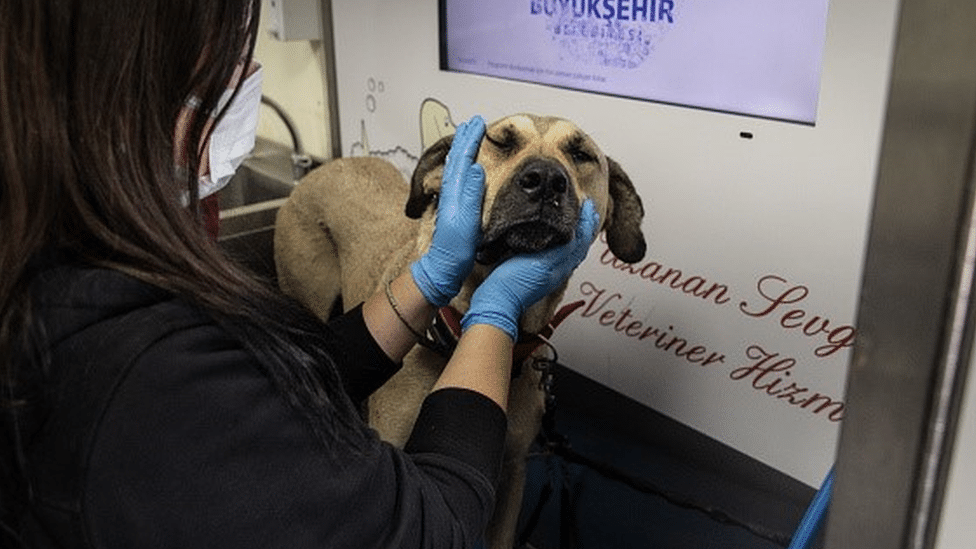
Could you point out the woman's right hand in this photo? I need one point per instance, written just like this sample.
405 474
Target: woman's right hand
440 272
521 281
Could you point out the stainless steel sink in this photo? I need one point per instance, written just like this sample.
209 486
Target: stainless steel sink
250 202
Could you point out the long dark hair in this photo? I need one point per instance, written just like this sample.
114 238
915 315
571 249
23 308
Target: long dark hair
90 95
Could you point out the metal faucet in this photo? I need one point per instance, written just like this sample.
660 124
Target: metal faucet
301 162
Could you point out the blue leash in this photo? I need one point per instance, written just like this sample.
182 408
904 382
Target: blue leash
813 519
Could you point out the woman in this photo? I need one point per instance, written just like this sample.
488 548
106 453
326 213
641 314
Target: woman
154 394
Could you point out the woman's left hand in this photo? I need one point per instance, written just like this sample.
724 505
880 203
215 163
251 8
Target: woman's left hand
522 280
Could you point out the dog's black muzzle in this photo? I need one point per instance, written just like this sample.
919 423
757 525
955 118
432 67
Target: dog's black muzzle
536 210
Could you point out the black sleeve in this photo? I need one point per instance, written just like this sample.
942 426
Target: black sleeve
462 424
447 417
362 364
198 449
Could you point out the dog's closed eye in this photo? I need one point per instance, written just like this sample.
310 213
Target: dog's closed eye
505 141
577 150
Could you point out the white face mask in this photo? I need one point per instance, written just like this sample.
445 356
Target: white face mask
232 138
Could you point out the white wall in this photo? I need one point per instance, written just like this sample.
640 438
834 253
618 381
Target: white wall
294 76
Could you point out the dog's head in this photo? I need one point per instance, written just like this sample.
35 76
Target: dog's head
538 173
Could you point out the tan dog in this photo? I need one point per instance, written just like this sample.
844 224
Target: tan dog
343 231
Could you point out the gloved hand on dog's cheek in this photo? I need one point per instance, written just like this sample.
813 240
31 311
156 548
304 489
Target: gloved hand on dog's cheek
440 272
521 281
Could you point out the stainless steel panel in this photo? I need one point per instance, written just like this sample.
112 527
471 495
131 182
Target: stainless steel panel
914 318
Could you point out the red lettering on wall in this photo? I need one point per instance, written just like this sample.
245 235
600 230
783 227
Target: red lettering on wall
606 308
778 298
670 277
768 374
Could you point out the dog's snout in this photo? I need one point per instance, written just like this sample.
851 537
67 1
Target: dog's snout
541 179
536 209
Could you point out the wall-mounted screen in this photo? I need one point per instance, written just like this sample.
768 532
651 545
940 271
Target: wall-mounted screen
753 57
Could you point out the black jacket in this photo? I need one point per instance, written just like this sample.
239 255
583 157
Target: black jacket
162 431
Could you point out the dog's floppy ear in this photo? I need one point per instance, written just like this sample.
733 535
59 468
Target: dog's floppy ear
433 158
623 226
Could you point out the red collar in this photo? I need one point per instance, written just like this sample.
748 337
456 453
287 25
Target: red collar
447 330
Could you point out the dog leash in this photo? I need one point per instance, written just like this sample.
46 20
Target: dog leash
554 443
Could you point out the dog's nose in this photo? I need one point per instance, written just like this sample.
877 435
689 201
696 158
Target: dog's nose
541 180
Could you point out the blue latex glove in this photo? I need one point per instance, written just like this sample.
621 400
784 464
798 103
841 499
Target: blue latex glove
520 281
440 272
